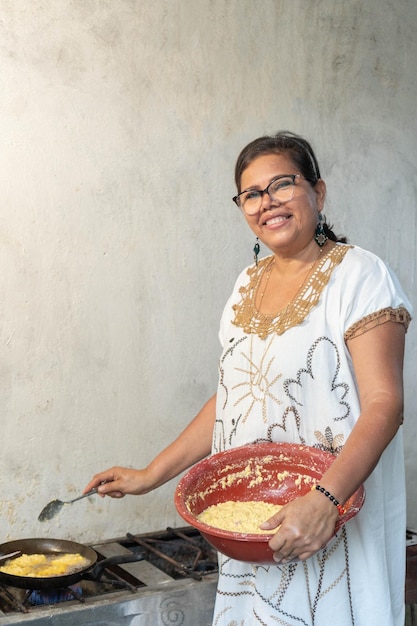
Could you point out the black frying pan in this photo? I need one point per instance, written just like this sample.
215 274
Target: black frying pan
47 546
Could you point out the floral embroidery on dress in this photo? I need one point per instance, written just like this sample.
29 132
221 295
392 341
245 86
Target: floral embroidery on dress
309 383
290 423
329 442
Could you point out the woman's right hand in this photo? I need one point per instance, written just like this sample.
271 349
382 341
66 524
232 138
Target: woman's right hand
116 482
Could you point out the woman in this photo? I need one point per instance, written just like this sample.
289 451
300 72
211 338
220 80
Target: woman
313 343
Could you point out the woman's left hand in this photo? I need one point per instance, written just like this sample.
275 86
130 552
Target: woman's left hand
305 526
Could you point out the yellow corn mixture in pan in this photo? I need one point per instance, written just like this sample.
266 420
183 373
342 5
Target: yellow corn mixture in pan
44 565
240 517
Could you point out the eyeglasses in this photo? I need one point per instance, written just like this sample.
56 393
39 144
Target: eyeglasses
281 190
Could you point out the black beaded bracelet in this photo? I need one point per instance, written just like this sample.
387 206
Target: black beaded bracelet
340 508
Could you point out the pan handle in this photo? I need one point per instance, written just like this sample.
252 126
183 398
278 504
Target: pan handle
100 566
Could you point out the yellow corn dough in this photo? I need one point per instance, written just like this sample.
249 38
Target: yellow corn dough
44 565
241 517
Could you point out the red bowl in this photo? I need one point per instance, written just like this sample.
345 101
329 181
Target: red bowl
270 472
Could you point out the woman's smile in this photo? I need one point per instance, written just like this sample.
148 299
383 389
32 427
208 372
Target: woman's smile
278 219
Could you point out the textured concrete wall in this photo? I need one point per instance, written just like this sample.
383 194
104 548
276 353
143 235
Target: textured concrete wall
120 123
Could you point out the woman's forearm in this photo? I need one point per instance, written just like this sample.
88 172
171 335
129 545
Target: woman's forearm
378 362
371 435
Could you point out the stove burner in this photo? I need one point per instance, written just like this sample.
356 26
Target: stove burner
55 596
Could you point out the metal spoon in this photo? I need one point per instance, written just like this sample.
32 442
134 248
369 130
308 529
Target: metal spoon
52 508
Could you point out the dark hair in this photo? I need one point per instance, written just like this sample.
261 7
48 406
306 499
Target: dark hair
299 151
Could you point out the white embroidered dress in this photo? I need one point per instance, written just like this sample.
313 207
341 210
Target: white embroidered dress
297 385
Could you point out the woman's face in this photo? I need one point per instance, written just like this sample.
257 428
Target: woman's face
286 228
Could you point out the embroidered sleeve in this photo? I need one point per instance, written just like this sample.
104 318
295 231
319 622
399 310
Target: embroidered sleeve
400 315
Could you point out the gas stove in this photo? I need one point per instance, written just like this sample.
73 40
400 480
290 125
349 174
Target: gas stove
411 574
161 578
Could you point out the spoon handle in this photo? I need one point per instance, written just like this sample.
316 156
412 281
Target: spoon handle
85 495
11 555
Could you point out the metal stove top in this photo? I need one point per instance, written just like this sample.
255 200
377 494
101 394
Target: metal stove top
171 581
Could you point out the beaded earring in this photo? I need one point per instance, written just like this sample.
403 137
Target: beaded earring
256 250
320 236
